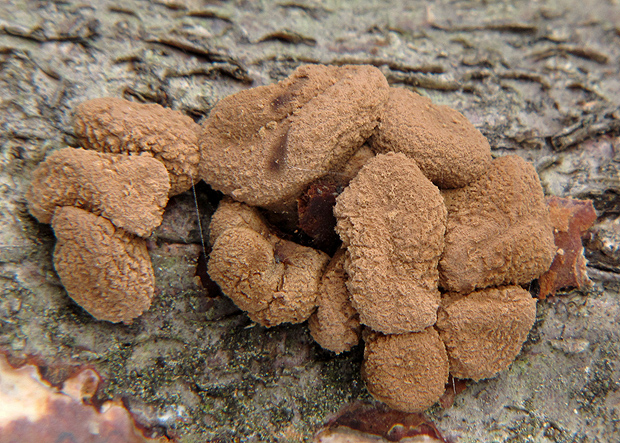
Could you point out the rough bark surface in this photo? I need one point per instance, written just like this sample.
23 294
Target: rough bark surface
539 79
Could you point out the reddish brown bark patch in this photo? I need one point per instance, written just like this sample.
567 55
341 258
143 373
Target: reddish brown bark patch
570 218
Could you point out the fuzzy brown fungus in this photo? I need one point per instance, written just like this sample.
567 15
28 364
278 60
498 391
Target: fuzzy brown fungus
408 372
484 331
273 280
391 219
104 269
498 230
263 146
335 324
449 150
122 127
233 214
130 191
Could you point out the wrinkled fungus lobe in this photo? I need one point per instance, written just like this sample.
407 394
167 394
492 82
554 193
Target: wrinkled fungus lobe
130 191
105 269
498 229
263 146
449 150
119 126
273 280
391 219
483 331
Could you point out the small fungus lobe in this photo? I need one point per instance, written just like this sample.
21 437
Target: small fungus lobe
130 191
335 324
122 127
407 371
449 150
105 269
484 331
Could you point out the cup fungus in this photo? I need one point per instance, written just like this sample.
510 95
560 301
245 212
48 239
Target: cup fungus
105 269
120 126
448 149
407 371
484 331
265 145
498 231
402 238
391 219
273 280
130 191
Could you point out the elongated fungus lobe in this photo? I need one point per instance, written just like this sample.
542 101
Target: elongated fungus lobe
335 324
273 280
449 150
484 331
104 269
119 126
265 145
391 219
130 191
498 229
408 371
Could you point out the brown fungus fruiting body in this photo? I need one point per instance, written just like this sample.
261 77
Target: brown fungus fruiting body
498 229
335 324
130 191
265 145
449 150
407 371
391 219
483 331
119 126
105 269
273 280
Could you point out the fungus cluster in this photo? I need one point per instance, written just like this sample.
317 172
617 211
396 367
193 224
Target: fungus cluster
435 239
103 201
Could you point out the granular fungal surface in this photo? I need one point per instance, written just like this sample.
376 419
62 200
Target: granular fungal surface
536 80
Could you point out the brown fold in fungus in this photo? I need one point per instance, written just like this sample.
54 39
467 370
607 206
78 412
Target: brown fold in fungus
498 229
335 324
263 146
273 280
391 219
407 371
119 126
104 269
315 206
449 150
484 331
130 191
232 214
